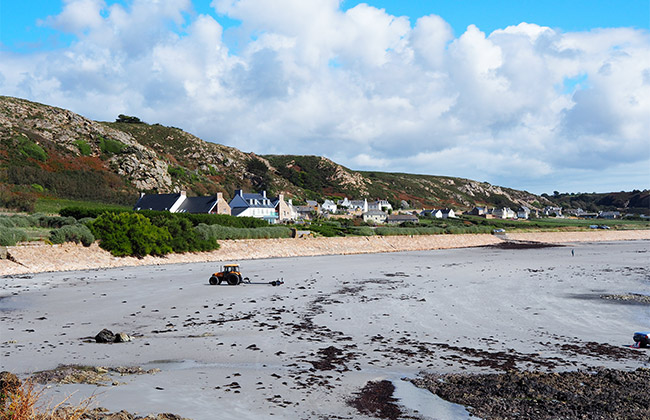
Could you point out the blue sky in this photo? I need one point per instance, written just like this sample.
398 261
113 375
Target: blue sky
20 30
535 95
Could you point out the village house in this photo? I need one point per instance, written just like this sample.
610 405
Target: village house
375 216
432 214
314 205
328 206
345 203
181 203
285 209
398 219
304 212
503 213
448 213
253 205
552 211
609 215
359 205
478 211
523 213
382 205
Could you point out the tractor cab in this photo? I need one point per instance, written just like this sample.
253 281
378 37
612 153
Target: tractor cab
229 273
231 268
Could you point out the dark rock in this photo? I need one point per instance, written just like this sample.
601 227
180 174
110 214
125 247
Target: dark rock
105 336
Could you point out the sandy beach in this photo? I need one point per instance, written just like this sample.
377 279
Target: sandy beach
303 349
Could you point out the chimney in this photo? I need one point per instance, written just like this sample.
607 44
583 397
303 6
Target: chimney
281 197
183 193
142 194
290 201
264 193
239 193
219 196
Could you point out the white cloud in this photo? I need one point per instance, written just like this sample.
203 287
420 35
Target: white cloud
360 86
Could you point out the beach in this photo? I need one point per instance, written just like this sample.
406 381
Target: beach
303 349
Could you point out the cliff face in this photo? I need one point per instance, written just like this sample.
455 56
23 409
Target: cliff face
51 151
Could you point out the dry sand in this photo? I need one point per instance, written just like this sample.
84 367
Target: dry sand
299 351
67 257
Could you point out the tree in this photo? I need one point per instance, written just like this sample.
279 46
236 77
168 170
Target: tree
130 234
128 119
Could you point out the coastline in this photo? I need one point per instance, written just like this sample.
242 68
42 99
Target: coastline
30 259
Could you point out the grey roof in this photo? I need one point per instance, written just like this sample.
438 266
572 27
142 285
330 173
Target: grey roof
160 202
198 204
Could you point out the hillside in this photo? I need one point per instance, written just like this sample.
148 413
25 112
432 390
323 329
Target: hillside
52 152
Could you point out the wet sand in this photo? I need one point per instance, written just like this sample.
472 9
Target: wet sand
303 349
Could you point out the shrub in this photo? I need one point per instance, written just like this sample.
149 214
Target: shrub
85 212
183 237
55 221
10 236
72 233
361 231
84 147
130 234
18 221
28 148
110 146
38 188
215 232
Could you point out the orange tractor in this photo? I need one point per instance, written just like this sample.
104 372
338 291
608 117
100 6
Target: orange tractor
229 273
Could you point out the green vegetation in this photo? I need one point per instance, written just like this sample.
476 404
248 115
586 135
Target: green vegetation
83 146
110 147
51 205
128 119
215 232
28 148
72 233
10 236
130 234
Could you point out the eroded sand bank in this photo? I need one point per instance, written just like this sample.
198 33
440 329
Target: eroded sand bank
69 257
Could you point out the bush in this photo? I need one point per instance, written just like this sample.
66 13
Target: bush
130 234
72 233
110 146
28 148
10 236
85 212
361 231
84 147
18 221
55 221
184 237
215 232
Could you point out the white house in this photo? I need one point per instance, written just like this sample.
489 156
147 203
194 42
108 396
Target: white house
344 203
432 214
382 205
253 205
448 213
329 206
359 205
375 216
504 213
523 212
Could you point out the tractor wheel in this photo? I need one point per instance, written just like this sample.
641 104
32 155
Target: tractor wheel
214 280
233 279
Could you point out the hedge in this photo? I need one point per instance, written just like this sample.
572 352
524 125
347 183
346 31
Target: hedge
72 233
215 232
10 236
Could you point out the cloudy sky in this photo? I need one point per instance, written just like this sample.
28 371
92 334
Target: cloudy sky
536 95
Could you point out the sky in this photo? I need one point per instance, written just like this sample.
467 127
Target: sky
543 96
